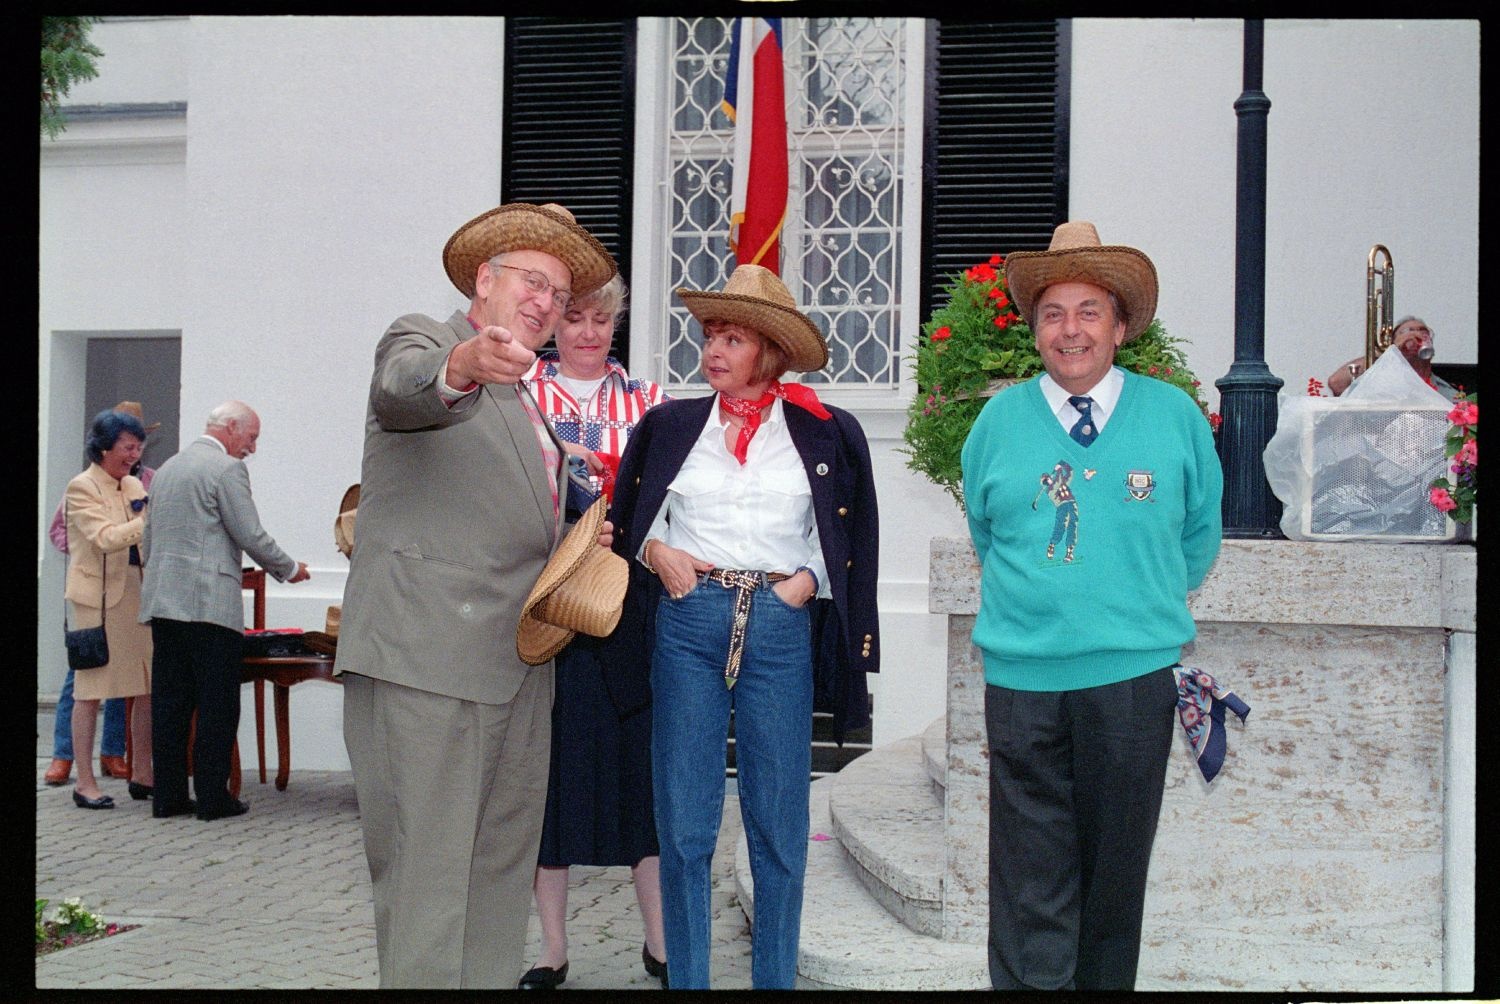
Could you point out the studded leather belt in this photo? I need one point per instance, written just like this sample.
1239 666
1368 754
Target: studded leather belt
745 583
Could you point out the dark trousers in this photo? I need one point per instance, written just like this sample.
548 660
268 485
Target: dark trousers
194 666
1076 781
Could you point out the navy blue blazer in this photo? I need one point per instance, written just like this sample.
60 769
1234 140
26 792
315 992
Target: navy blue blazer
845 629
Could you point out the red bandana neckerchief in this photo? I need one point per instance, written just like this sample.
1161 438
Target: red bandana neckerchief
792 393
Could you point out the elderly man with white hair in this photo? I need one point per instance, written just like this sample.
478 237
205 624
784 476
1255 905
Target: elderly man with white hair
202 520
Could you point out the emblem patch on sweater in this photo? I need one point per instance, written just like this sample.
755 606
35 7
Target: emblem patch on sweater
1057 485
1140 485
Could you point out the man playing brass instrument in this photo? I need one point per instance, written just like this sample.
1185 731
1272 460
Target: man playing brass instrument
1414 338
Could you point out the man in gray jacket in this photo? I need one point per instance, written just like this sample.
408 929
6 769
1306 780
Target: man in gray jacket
202 518
448 730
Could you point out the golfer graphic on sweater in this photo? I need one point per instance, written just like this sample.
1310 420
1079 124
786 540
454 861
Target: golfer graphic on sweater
1059 488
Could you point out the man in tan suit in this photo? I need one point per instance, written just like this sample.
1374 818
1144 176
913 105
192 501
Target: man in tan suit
448 731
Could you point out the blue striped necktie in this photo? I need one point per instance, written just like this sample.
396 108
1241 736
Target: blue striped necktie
1083 430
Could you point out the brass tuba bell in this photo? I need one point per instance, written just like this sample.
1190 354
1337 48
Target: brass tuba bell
1379 304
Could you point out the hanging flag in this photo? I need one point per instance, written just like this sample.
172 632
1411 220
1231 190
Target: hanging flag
754 100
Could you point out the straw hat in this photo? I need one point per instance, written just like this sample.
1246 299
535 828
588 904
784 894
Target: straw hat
757 298
581 589
520 226
1076 255
134 408
326 641
343 525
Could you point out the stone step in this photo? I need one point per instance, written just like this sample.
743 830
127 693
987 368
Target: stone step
889 819
935 753
848 940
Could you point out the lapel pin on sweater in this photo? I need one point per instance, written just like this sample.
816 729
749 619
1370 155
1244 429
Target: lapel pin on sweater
1201 701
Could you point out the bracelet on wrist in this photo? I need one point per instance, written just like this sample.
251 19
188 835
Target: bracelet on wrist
645 558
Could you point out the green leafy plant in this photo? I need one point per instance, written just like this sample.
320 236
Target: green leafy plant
67 57
974 345
1458 497
73 924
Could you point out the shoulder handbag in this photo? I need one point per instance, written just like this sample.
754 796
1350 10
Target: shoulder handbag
88 648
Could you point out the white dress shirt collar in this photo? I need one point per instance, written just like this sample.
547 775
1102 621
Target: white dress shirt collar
1106 395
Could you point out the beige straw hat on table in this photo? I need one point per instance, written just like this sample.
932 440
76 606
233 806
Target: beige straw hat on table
1076 255
582 589
757 298
520 226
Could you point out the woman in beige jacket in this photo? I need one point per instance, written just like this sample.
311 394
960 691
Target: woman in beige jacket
106 514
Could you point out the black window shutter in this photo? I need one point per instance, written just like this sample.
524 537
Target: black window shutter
995 143
570 126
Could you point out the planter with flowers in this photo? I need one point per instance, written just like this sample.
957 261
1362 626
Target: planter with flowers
1459 496
976 344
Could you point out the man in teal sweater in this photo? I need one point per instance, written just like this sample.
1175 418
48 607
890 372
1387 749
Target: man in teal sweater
1083 613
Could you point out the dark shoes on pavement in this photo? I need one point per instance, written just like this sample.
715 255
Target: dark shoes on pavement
221 810
162 810
544 978
654 967
102 802
547 978
140 792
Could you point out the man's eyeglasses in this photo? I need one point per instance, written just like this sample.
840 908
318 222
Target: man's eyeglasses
537 283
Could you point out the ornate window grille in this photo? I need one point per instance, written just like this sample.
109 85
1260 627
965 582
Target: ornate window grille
841 243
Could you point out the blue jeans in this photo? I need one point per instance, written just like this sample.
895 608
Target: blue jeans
772 705
112 743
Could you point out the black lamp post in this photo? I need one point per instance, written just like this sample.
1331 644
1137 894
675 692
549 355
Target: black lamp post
1247 393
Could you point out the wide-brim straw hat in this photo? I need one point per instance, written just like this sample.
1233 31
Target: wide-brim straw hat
582 589
343 524
1076 255
520 226
757 298
134 408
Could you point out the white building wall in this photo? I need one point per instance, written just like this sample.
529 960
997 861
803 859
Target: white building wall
1372 137
110 255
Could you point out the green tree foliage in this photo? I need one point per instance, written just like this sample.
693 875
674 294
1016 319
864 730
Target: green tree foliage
67 58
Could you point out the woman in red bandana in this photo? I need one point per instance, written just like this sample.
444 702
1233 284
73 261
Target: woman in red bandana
750 520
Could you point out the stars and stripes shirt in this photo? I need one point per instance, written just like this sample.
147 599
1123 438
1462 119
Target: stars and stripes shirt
604 420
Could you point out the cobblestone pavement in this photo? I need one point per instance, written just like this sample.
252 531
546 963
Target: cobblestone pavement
279 898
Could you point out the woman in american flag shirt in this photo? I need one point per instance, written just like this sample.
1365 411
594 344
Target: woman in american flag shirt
599 809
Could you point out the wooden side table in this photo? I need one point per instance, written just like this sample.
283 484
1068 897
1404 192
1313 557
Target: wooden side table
284 672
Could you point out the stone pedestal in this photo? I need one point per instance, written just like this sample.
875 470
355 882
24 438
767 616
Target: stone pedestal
1316 860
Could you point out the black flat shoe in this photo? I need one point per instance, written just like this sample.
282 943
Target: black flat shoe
140 792
102 802
654 967
544 978
233 807
162 811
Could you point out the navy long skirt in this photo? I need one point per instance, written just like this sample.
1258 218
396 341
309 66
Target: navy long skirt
599 809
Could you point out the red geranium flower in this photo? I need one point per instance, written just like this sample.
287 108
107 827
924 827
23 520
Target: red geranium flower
942 333
1464 413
